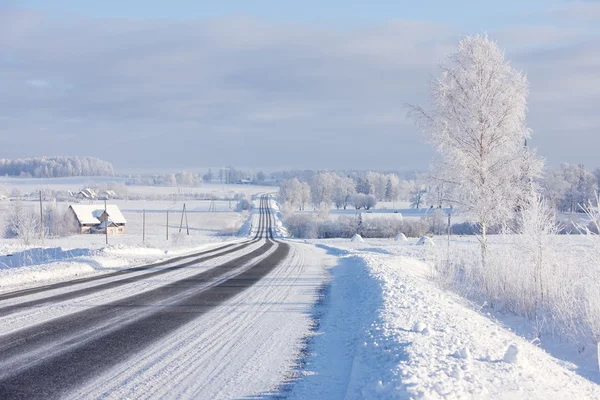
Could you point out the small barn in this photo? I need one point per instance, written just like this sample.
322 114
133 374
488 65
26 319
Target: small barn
86 194
94 218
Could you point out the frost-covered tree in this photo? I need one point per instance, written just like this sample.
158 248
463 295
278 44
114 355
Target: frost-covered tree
393 188
288 191
321 188
477 125
208 177
22 222
362 186
47 167
57 222
434 194
417 195
343 190
569 187
261 177
305 195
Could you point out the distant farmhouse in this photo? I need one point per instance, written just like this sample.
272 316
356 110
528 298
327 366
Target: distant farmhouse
107 195
94 219
90 194
86 194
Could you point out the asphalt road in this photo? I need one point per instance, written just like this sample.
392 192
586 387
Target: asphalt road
50 359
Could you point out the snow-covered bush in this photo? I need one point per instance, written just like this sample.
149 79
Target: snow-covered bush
342 227
301 225
464 228
243 205
320 226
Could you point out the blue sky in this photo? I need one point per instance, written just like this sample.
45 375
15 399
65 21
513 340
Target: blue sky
276 84
471 14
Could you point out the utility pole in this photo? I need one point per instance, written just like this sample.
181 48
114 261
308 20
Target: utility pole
41 218
187 227
105 222
184 213
167 224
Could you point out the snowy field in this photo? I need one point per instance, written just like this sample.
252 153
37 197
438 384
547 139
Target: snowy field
74 184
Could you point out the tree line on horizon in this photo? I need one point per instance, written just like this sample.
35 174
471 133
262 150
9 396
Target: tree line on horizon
55 167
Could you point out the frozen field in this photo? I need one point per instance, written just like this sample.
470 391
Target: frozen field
27 185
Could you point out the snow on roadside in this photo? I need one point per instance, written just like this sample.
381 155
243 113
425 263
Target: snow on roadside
387 331
22 267
35 266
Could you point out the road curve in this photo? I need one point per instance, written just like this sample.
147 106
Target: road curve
50 359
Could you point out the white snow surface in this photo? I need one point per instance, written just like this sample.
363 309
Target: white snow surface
387 331
21 268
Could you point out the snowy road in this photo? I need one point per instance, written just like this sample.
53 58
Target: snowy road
227 322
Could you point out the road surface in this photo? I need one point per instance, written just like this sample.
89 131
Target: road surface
187 327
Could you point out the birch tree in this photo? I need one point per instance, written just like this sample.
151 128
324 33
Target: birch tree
477 125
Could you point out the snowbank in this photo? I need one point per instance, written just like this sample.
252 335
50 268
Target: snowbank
35 266
400 237
425 241
357 239
387 331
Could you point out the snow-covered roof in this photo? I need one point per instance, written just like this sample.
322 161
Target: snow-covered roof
90 214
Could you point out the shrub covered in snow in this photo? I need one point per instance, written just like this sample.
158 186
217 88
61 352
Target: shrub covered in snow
243 205
301 225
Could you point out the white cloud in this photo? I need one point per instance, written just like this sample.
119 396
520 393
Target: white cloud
209 92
